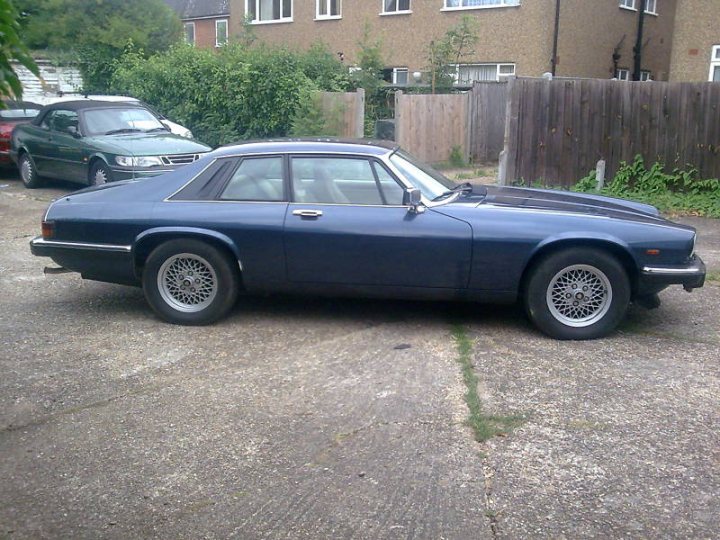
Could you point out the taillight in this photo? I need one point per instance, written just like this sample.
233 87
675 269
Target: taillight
48 230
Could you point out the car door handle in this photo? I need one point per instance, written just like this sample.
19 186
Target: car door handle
307 213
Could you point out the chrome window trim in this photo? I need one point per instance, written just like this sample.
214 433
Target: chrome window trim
81 245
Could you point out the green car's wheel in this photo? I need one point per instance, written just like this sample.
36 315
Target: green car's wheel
99 174
28 173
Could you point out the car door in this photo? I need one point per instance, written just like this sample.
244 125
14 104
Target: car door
65 146
37 141
346 225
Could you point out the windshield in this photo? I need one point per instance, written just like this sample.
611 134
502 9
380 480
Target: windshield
121 120
422 176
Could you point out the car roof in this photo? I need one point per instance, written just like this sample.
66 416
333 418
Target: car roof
83 105
366 147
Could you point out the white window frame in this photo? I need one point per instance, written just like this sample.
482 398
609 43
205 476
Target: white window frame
185 26
328 17
632 6
396 11
498 76
217 35
497 4
395 72
714 61
622 74
645 75
272 21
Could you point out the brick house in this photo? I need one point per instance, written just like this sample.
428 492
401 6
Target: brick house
206 23
595 37
696 41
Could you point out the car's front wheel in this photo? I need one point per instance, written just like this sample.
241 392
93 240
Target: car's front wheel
99 174
190 282
28 173
577 293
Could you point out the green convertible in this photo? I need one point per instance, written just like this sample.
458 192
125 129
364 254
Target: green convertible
94 142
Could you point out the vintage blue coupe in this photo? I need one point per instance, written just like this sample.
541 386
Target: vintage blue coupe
362 218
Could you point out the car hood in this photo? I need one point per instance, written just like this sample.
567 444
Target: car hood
151 144
562 201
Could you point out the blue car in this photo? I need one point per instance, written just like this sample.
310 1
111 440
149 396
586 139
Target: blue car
359 218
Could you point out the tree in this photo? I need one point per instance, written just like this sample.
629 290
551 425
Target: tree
457 43
98 31
11 48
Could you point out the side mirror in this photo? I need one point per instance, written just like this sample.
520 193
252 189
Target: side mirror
413 199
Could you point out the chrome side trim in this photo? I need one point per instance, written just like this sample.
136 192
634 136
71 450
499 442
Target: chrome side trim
79 245
672 271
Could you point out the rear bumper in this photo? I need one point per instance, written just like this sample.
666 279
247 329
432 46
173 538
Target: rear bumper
690 276
100 262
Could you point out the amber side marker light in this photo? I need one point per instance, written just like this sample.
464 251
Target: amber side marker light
653 252
48 230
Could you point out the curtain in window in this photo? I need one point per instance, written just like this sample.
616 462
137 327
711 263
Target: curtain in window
473 3
469 74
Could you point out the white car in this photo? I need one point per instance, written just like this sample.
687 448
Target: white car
49 99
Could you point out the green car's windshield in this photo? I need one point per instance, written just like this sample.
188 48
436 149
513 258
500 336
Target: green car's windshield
118 120
422 176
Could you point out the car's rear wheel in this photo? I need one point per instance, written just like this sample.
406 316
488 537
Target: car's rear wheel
577 294
28 173
100 174
190 282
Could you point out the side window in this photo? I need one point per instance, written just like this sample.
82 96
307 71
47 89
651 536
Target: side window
48 120
65 121
391 190
335 181
256 179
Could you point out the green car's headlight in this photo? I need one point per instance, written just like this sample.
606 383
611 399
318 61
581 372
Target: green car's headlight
141 162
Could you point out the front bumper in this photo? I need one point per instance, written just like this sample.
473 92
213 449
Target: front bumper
690 275
129 174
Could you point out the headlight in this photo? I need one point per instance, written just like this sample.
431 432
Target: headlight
141 162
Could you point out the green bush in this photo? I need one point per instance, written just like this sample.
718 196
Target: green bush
234 94
681 191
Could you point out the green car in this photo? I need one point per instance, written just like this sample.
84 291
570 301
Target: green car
94 142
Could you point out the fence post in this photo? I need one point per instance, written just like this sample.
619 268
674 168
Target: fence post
504 157
398 117
360 114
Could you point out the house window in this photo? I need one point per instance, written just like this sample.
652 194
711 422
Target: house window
715 64
645 75
395 6
400 76
189 28
268 11
477 4
466 74
622 74
650 5
328 9
221 32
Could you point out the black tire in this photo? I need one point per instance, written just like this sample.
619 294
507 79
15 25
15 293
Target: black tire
599 290
190 282
99 174
28 172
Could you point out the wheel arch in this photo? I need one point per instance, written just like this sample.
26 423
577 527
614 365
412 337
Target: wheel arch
150 239
613 246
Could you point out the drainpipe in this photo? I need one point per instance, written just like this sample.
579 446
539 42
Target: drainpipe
556 33
637 50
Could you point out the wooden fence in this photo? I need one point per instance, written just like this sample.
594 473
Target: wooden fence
345 112
557 131
488 102
430 126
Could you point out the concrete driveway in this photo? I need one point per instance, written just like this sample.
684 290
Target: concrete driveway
297 418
